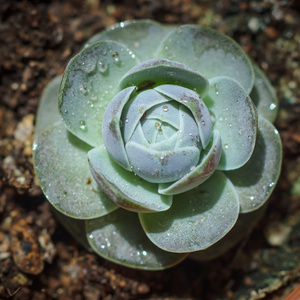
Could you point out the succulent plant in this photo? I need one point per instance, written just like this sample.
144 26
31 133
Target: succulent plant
158 142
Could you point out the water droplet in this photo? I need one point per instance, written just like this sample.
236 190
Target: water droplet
271 184
116 57
165 108
131 166
126 120
157 125
65 111
221 119
102 67
225 146
192 168
145 253
83 126
203 122
251 198
91 236
216 87
272 106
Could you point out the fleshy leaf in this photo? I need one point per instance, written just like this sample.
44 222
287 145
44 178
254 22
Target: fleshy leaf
154 72
256 180
241 229
263 96
112 136
197 219
193 101
88 86
124 187
161 166
119 237
63 171
135 109
209 52
235 118
141 36
199 174
48 114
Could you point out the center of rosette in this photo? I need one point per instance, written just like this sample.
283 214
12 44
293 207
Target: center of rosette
158 131
161 137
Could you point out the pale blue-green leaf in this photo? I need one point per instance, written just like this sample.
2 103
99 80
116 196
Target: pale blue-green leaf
263 96
256 180
89 84
111 131
136 108
48 113
235 118
192 101
241 230
119 237
209 161
209 52
141 136
124 187
161 166
154 72
141 36
62 169
197 219
164 112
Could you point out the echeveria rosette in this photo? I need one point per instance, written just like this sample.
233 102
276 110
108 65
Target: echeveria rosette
162 145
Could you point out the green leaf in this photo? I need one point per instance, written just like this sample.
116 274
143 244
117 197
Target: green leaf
235 118
208 163
119 237
256 180
209 52
111 128
141 36
62 169
241 229
124 187
88 86
154 72
197 219
263 96
48 114
194 103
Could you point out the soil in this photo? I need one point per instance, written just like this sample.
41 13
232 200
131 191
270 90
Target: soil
37 40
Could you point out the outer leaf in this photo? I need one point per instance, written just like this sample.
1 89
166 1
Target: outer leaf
197 219
256 180
154 72
209 52
62 169
119 237
240 230
89 85
208 164
141 36
235 118
263 96
123 187
48 114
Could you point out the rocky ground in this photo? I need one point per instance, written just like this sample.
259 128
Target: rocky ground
37 39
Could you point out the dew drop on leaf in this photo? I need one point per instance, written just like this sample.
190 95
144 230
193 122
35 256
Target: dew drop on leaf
225 146
102 67
165 108
83 126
